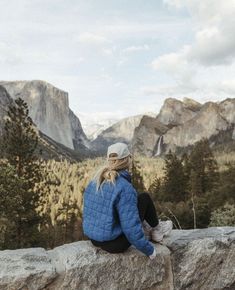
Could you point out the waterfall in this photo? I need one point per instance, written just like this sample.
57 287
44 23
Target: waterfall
159 146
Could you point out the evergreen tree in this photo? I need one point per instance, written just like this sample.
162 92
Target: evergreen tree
137 178
10 201
174 182
185 160
20 141
203 178
154 188
204 169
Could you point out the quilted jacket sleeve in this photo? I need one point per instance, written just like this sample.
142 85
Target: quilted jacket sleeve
126 205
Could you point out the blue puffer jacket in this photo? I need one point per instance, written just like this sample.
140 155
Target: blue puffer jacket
112 211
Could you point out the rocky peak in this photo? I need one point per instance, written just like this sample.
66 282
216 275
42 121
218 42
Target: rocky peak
192 104
175 112
227 109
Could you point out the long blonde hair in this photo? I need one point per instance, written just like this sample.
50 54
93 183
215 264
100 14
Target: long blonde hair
109 171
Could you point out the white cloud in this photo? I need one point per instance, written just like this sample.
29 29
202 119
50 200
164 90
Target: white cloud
176 64
227 86
92 38
135 48
214 42
9 55
170 90
194 68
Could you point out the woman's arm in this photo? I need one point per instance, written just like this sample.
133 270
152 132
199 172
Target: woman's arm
126 205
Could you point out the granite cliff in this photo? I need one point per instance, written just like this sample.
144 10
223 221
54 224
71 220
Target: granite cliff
49 109
186 122
122 131
50 147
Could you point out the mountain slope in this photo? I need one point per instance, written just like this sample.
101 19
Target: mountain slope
122 131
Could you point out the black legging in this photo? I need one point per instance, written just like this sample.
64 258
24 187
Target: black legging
147 212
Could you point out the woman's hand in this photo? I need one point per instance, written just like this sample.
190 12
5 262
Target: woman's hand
153 254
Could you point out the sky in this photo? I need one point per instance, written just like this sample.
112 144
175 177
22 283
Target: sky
118 58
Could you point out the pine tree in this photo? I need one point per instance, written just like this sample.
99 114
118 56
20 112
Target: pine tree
174 182
155 186
204 169
20 141
202 179
10 201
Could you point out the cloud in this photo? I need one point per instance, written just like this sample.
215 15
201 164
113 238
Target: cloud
177 65
135 48
92 38
227 86
170 90
9 55
214 42
194 68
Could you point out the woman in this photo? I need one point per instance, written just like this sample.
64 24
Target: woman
115 216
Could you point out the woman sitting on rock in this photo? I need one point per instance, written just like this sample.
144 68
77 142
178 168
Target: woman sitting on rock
115 216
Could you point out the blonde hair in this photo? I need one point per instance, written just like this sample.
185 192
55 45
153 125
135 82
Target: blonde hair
109 171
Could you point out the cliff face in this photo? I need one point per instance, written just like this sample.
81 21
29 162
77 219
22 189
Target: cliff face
49 109
121 131
186 123
49 147
175 112
79 138
206 123
146 136
188 259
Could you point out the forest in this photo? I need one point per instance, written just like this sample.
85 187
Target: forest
41 200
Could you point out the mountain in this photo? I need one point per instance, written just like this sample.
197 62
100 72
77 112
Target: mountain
94 124
175 112
206 123
122 131
49 109
79 138
179 124
186 123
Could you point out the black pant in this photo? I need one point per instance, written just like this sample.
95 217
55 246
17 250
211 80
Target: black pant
147 212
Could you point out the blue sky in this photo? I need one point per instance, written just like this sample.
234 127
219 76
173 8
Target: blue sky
121 58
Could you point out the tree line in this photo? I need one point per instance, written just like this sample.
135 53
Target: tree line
193 192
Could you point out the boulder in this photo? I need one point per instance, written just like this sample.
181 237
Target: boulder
203 258
188 259
26 269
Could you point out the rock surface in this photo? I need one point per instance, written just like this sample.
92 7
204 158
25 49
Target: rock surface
187 122
203 259
206 123
49 109
122 131
147 134
79 138
188 259
175 112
